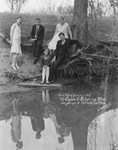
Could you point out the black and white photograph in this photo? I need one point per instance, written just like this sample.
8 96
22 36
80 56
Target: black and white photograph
58 74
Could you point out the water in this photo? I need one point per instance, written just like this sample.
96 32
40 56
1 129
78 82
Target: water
76 117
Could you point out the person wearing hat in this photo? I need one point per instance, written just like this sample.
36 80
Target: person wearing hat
37 35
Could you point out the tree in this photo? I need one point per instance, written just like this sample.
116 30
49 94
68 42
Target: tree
79 22
69 9
16 5
114 4
65 10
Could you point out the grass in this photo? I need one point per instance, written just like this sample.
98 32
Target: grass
102 31
48 21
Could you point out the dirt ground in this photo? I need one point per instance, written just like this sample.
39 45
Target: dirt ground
9 77
27 68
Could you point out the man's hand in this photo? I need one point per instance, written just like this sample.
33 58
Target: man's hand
54 59
32 40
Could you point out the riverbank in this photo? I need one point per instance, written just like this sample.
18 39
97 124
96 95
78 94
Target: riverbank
8 76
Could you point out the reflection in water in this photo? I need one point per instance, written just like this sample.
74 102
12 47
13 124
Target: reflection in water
103 132
45 96
65 141
16 125
46 117
37 120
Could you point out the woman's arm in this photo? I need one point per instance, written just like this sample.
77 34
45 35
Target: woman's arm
12 32
56 30
69 32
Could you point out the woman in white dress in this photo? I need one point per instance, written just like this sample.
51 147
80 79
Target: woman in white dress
15 40
62 26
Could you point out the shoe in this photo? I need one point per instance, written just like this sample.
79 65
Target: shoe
47 82
52 81
42 82
17 66
34 80
13 67
35 60
17 100
14 101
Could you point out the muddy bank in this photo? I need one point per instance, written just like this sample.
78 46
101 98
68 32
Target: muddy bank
27 68
9 77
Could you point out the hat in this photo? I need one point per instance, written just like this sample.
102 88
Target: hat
60 17
19 17
38 19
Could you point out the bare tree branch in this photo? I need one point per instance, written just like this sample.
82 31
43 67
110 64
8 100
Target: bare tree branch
15 5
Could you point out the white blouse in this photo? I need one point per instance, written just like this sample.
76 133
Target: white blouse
15 32
63 28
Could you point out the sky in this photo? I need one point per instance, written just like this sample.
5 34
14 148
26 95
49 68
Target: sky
36 4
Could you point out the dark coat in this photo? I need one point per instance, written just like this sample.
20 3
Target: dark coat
40 33
37 120
63 50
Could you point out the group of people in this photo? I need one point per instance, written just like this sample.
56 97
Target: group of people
53 55
41 115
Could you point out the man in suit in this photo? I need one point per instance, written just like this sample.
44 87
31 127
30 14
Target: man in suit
37 35
37 120
61 53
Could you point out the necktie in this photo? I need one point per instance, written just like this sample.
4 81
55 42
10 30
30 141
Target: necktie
37 28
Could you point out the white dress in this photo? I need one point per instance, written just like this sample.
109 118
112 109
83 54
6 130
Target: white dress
15 33
59 28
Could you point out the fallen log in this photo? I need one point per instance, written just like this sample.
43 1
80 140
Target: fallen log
101 56
12 75
109 43
30 78
79 51
83 55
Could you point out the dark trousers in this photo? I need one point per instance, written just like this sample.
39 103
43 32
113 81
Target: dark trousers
37 49
55 66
